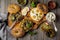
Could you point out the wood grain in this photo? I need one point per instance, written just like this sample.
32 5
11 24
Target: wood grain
40 35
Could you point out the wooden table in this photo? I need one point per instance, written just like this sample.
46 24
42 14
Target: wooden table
40 35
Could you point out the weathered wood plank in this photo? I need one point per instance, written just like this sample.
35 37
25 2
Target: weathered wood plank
26 37
10 37
40 34
58 20
55 11
34 37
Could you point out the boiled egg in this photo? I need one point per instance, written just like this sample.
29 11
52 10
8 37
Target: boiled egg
25 10
36 14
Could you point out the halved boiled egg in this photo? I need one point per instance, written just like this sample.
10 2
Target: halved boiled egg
36 14
24 11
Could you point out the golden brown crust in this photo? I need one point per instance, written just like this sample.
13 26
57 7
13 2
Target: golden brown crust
18 31
13 8
9 21
38 23
43 7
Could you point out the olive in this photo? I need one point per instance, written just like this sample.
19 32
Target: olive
13 17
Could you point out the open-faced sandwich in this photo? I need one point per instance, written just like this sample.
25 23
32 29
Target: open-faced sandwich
14 17
37 14
47 28
17 31
26 24
13 8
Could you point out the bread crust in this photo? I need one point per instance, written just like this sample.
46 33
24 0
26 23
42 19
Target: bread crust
14 8
17 31
43 7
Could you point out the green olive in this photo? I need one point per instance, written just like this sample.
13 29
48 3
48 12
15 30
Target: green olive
13 18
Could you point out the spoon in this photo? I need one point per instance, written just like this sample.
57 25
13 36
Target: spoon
55 26
50 17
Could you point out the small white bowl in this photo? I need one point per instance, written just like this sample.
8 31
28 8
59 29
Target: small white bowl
50 17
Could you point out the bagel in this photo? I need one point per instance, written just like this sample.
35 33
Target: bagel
17 31
43 7
13 8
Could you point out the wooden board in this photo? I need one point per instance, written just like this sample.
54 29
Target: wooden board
40 35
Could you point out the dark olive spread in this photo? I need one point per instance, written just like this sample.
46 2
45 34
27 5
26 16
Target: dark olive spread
16 16
26 24
45 26
50 32
22 2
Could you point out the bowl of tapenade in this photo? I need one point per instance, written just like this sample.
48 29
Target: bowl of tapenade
22 2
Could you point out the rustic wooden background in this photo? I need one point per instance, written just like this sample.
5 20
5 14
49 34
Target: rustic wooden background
40 35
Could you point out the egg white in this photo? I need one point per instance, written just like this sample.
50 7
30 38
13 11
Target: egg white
36 15
24 11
